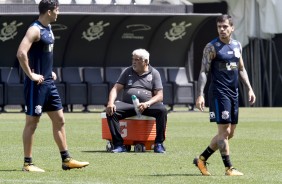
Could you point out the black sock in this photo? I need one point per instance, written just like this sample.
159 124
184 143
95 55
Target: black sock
64 155
226 160
206 154
28 160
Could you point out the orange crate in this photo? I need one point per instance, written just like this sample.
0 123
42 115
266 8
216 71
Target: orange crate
140 132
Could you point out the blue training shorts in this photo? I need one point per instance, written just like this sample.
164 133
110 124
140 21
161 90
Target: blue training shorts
41 98
223 110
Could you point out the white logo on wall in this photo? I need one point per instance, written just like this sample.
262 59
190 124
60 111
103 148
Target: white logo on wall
133 28
95 31
58 27
9 31
38 109
177 31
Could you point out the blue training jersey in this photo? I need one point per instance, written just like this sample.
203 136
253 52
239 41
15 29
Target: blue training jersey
41 52
224 68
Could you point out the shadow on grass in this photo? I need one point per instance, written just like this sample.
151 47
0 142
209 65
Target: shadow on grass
165 175
10 170
129 152
96 151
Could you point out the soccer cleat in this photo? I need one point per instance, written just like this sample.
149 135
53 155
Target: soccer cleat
70 163
30 167
233 172
119 149
159 148
202 166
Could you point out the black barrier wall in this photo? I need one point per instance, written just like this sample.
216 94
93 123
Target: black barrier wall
107 40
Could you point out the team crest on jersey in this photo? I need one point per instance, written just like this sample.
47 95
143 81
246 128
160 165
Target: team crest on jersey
217 44
225 115
212 115
234 42
149 77
130 82
38 109
237 53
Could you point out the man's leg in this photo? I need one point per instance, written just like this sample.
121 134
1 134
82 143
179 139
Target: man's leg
28 136
223 144
123 110
229 169
201 161
58 122
159 112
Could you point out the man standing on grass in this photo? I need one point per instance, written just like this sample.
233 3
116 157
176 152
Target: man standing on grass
35 55
222 57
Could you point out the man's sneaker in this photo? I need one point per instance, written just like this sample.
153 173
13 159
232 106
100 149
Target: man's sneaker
233 172
202 166
30 167
159 148
70 163
119 149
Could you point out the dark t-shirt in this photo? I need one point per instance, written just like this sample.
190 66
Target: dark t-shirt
142 86
224 68
41 53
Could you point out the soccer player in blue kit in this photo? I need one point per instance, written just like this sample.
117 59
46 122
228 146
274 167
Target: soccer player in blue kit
222 58
35 54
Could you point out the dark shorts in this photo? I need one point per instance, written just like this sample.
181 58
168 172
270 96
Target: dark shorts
41 98
223 110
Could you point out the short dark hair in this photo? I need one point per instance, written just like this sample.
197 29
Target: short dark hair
46 5
225 17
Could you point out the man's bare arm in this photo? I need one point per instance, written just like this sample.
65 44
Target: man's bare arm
245 79
208 55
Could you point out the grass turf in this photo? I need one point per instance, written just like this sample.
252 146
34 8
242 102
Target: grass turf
255 150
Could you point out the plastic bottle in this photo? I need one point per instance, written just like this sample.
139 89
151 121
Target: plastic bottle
135 101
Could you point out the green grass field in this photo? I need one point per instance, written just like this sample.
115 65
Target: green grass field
255 150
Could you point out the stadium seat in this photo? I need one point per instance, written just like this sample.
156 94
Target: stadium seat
183 90
97 89
76 90
13 87
111 76
1 95
167 88
60 85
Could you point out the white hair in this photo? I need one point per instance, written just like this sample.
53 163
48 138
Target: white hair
142 53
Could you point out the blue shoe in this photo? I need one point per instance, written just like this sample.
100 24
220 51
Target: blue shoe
159 148
119 149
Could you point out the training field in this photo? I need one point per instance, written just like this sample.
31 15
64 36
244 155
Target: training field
256 150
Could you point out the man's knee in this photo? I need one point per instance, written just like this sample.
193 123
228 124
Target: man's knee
231 135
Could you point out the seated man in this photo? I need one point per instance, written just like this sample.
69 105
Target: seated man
144 81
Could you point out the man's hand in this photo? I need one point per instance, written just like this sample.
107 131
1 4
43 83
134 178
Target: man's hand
252 97
36 77
142 106
110 109
200 103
